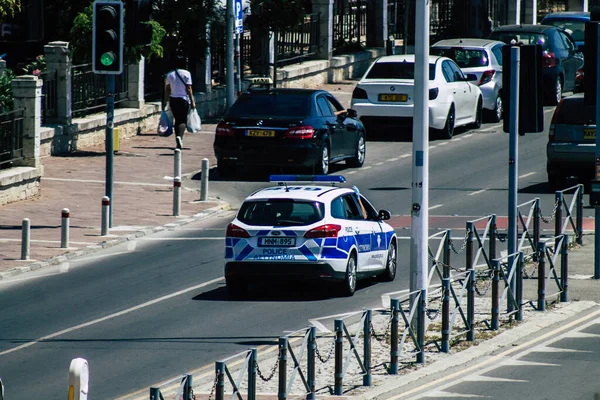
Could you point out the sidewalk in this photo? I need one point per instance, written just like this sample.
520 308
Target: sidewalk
142 198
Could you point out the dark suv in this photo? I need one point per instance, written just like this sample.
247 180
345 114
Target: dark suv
561 58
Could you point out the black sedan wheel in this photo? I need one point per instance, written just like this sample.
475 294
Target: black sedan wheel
322 167
359 157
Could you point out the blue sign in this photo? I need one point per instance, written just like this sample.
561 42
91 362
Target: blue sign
239 17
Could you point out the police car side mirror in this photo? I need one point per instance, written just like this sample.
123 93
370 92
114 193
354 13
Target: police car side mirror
384 215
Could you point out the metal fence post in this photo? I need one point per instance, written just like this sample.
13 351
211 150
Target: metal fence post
252 374
25 238
495 299
493 235
579 230
519 295
446 293
310 362
204 180
176 196
187 387
64 228
177 163
542 278
220 386
154 393
421 326
395 305
536 227
283 348
558 215
105 216
367 348
471 283
564 270
339 354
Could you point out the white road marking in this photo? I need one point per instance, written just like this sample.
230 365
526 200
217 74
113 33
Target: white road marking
432 147
102 182
477 192
405 155
458 139
380 163
526 175
350 172
482 378
491 128
442 143
448 395
392 159
111 316
548 349
49 241
436 206
367 167
549 110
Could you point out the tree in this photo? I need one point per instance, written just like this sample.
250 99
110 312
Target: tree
8 8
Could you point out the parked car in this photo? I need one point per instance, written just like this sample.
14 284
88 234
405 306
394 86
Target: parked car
385 94
482 57
561 58
571 21
288 128
571 144
308 231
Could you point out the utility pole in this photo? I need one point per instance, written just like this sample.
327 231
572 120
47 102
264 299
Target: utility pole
420 155
229 73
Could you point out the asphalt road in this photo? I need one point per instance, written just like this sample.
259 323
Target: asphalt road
145 311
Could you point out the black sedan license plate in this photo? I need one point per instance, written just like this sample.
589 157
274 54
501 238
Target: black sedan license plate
393 97
277 241
260 133
589 134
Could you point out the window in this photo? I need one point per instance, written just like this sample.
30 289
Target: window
497 51
270 104
568 42
575 27
372 214
448 72
345 207
281 212
457 73
396 70
324 106
335 105
465 58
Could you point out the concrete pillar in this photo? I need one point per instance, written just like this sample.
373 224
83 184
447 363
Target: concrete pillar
58 59
27 94
325 10
377 23
513 9
530 16
135 84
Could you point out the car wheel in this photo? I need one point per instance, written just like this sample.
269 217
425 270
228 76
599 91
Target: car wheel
391 264
478 115
497 113
556 181
556 95
236 289
322 167
225 170
448 130
361 150
349 284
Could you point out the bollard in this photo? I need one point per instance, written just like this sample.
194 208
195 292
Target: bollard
310 363
564 270
542 277
338 357
204 181
176 196
64 232
520 286
79 377
495 295
252 374
105 215
367 348
220 387
283 350
177 166
471 283
187 388
558 215
155 393
579 229
536 227
395 305
421 326
25 238
446 293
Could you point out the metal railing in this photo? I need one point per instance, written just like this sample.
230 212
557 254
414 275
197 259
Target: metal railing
349 23
184 390
364 362
88 90
11 137
574 207
222 371
529 236
548 262
299 43
308 376
505 269
49 95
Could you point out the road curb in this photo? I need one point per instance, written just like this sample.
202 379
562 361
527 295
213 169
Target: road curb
36 265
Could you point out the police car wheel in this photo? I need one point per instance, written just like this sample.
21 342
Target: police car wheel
391 264
236 289
349 285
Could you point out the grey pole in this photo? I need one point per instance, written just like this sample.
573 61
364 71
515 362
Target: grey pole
176 196
105 218
204 180
513 160
177 163
110 116
420 167
229 81
64 231
597 209
25 238
238 62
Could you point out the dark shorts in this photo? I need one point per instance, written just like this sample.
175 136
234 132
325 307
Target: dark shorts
180 108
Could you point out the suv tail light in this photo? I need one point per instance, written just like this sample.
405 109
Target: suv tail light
324 231
486 77
549 59
433 93
552 129
300 132
235 231
359 93
224 130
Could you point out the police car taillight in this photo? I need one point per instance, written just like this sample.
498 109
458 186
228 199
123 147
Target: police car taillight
300 132
235 231
324 231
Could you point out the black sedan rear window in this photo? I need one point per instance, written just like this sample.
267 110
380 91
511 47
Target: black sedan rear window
465 58
272 105
524 37
574 111
281 212
397 70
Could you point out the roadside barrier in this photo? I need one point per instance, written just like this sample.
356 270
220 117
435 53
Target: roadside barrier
307 376
204 180
506 268
25 238
105 215
547 268
574 207
176 196
184 390
223 371
177 163
531 237
79 378
64 228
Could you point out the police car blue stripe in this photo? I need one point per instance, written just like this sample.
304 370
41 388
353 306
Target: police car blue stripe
330 242
307 253
244 253
345 243
228 252
332 252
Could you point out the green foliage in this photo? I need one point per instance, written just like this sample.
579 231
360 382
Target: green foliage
8 8
277 15
80 42
35 67
6 98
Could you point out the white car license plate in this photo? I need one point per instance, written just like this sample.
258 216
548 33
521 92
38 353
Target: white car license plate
277 241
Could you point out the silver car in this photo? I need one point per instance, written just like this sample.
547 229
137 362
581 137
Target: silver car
571 144
482 57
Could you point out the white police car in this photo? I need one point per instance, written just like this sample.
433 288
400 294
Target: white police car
315 231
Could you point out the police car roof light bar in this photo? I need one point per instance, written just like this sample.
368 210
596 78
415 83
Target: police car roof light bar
307 178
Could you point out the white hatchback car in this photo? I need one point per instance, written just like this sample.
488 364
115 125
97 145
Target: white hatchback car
310 231
385 94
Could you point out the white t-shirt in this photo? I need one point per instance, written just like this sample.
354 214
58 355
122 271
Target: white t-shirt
177 87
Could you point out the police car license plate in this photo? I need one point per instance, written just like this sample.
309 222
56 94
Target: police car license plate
277 241
260 133
393 97
589 134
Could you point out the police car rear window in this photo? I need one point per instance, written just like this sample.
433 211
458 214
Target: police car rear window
273 105
281 212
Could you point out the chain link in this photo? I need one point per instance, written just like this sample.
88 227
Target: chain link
432 314
192 393
462 246
273 370
214 386
330 353
486 288
552 215
385 334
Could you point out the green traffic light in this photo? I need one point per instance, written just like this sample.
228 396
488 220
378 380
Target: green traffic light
107 59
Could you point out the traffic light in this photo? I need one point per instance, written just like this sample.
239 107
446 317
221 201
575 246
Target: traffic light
137 15
107 42
531 89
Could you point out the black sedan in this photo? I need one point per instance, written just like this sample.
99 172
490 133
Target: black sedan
299 128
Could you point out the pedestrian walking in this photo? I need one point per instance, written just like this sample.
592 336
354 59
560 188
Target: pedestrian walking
179 96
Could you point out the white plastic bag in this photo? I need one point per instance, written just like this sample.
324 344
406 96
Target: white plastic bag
193 121
165 124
